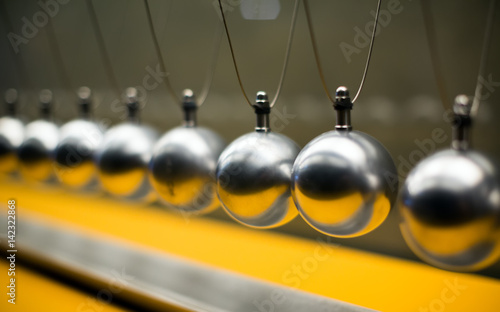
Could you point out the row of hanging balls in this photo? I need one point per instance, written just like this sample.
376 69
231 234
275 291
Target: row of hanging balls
340 182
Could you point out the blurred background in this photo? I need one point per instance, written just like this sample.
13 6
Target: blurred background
399 103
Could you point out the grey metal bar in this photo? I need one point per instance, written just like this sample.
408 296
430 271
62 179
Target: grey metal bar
167 278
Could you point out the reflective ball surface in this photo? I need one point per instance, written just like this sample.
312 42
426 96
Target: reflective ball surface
79 140
450 206
123 158
11 137
253 179
36 151
182 169
344 183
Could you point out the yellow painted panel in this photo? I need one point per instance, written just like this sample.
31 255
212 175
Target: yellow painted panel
367 279
34 292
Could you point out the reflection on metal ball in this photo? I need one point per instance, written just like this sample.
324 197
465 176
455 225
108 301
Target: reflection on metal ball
182 169
344 181
254 174
11 134
41 138
450 205
123 157
78 143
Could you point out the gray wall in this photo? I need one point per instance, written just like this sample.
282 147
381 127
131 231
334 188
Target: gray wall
398 105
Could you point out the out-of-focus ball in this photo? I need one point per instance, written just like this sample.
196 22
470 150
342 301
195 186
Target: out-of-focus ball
450 206
182 169
124 154
79 140
74 153
123 158
41 138
344 183
11 135
253 179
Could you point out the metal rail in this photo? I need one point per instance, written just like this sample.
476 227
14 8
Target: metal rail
157 280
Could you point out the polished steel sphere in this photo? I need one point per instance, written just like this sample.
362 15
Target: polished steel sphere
450 208
40 140
254 175
11 135
123 157
79 140
182 169
344 181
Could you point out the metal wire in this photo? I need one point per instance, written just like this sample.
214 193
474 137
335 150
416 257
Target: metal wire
317 58
211 68
315 51
433 50
285 62
370 50
57 56
24 80
158 54
432 42
484 58
106 61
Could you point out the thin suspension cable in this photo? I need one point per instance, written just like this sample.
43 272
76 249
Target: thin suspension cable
285 62
169 86
24 80
315 51
317 58
106 61
370 50
57 56
211 68
233 57
287 53
212 65
433 50
483 60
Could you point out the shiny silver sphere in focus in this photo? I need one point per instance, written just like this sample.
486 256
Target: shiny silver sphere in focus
344 181
40 140
124 154
11 135
79 140
254 175
450 207
182 169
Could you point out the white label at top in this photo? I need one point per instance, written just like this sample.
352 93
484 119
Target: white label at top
260 9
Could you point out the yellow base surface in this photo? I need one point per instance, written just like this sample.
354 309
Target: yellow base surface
366 279
38 293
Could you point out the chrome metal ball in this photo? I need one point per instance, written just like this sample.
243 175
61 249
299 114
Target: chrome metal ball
123 157
450 208
182 169
79 140
254 175
344 181
11 135
41 138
